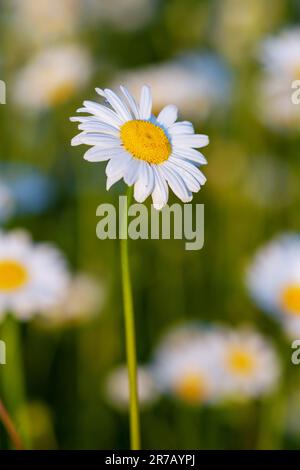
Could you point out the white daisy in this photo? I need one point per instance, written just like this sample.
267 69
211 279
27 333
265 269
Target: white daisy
117 387
32 277
186 365
249 364
146 151
274 279
280 57
52 77
198 83
82 300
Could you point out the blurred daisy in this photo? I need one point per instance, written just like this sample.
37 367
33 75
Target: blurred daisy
52 77
83 299
45 20
117 388
198 83
32 277
126 15
280 57
274 279
23 190
146 151
186 365
249 364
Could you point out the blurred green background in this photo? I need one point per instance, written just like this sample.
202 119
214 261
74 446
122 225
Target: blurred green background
252 193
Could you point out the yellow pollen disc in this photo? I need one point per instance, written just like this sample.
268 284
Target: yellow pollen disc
191 389
290 299
240 361
146 141
12 275
61 93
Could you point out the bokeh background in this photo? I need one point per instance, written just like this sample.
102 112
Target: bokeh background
207 57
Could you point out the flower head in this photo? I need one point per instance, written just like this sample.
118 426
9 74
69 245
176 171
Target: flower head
117 387
274 279
32 277
146 151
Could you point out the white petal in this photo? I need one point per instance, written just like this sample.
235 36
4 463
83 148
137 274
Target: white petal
120 107
97 126
189 154
132 172
77 139
96 154
112 180
160 193
183 127
103 112
131 101
145 183
100 92
188 167
117 165
145 103
104 141
168 115
193 140
176 183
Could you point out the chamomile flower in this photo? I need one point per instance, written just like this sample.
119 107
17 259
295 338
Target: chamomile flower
82 300
186 365
32 276
274 279
249 364
148 152
52 77
280 57
117 387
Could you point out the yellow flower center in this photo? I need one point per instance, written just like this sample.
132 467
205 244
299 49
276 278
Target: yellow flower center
13 275
61 93
192 388
240 361
146 141
290 299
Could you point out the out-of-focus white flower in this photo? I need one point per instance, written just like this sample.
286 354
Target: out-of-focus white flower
7 203
117 387
126 15
82 300
280 57
198 84
44 21
274 276
274 280
52 77
186 365
247 21
33 277
249 364
152 153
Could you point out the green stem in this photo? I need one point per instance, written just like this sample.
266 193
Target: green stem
12 377
130 333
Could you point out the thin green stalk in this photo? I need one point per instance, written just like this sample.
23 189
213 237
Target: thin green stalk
130 334
12 376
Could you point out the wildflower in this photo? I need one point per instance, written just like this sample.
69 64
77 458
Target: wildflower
52 77
117 388
32 276
146 151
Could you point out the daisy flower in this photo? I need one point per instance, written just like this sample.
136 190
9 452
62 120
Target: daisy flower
32 277
117 387
280 57
148 152
274 279
186 365
52 77
82 300
249 364
198 83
